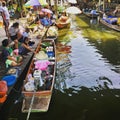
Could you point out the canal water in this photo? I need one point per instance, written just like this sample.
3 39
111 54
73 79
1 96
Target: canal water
87 83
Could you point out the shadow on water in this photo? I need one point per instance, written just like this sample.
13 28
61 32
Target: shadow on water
87 75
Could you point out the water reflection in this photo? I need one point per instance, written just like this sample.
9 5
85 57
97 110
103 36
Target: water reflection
63 63
92 57
91 84
94 21
110 49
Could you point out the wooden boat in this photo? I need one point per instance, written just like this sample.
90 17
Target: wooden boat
90 15
38 99
61 24
114 27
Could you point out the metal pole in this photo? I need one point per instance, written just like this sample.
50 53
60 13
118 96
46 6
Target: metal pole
103 5
99 5
31 104
56 4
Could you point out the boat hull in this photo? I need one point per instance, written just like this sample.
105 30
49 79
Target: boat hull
114 27
40 103
43 95
90 15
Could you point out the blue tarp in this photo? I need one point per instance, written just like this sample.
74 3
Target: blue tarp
110 19
93 12
46 22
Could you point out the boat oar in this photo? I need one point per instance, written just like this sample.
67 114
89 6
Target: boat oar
31 104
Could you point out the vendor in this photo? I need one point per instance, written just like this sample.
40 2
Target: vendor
14 32
8 55
24 48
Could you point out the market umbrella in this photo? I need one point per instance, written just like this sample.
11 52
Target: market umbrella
27 4
73 10
72 1
47 10
32 3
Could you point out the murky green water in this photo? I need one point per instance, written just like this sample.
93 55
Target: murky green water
88 75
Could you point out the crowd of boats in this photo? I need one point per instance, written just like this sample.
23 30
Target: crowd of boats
40 76
109 19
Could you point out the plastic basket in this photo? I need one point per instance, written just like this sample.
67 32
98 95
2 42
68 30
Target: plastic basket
3 91
10 79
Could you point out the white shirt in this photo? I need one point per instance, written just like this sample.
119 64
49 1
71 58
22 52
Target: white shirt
25 34
13 31
1 9
6 12
104 16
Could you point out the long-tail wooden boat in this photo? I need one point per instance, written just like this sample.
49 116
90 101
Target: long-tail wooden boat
114 27
38 98
90 15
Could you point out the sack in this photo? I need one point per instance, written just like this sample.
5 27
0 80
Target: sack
29 86
41 64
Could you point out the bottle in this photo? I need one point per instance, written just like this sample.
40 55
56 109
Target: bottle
36 75
38 82
41 81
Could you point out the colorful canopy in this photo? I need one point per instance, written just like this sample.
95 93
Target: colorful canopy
36 3
32 3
